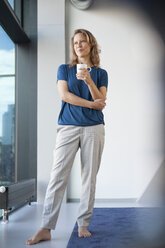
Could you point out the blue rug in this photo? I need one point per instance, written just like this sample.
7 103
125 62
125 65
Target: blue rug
123 228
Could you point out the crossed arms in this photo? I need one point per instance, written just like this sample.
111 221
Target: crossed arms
99 96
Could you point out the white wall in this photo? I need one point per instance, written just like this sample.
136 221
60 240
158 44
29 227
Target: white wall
132 53
51 53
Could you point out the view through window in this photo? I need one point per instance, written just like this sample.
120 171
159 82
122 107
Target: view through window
7 109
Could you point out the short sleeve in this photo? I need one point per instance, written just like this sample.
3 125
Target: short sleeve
103 78
62 73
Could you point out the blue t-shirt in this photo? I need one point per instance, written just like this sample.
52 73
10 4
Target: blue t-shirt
76 115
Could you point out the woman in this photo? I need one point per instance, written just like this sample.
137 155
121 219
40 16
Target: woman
80 125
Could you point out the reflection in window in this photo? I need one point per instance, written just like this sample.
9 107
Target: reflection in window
7 109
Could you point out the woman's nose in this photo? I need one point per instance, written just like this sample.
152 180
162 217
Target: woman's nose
79 44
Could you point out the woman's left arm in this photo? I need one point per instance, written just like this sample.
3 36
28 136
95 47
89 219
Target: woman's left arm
95 92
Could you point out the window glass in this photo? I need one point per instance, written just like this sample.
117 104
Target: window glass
7 109
11 3
7 125
7 54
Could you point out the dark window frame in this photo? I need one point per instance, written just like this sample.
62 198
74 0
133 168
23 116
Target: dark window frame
9 21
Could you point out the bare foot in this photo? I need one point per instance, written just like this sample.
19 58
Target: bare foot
83 232
42 235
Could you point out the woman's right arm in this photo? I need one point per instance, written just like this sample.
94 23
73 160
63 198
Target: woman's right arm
69 97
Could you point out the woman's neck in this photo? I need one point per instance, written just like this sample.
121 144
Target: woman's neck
85 61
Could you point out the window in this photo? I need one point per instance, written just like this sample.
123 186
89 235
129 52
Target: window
17 8
11 3
7 109
18 164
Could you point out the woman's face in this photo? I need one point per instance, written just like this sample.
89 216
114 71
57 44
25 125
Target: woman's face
81 46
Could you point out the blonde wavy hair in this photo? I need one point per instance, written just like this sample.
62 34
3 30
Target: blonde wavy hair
94 52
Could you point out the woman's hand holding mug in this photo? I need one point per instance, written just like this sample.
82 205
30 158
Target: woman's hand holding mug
83 73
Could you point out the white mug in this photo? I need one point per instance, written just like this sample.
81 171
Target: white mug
83 66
